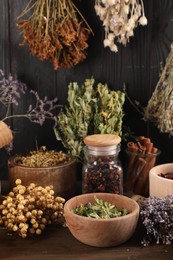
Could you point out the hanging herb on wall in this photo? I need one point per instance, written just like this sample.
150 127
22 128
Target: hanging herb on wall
119 18
56 31
160 106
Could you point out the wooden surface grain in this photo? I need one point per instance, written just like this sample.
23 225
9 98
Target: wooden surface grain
58 243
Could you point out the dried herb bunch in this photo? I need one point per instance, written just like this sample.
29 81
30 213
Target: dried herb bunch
43 158
27 210
160 106
91 109
120 18
55 31
156 215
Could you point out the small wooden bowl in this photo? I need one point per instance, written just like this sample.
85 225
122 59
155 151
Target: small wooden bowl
159 186
102 232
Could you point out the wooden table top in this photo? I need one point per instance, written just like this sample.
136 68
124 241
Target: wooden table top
57 243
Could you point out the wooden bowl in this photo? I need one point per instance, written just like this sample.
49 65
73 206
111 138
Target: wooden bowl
62 177
102 232
159 186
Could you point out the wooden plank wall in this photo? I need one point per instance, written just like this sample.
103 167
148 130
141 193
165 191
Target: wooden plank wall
137 64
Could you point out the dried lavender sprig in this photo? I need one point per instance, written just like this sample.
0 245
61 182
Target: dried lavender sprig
42 110
11 91
157 215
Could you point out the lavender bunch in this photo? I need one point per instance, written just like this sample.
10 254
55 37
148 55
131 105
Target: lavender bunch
157 217
11 90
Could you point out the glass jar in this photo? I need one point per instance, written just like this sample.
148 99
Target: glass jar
102 171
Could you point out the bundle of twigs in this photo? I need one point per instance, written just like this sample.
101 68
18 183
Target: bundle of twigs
56 31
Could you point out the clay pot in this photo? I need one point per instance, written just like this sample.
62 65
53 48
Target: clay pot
5 134
62 177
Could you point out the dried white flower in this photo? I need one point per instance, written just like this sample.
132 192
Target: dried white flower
126 9
114 48
111 36
130 33
111 2
106 43
120 18
143 20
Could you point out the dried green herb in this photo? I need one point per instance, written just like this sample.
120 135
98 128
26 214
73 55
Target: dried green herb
99 209
74 121
91 110
109 112
160 106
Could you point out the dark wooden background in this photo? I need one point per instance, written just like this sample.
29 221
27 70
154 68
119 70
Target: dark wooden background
137 64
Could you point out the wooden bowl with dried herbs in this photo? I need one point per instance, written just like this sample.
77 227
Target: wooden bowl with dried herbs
45 167
101 219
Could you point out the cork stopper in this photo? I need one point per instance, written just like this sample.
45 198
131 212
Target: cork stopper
101 140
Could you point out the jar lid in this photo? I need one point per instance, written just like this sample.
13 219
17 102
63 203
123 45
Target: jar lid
101 140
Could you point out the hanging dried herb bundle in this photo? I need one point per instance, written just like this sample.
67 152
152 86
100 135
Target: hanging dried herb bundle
55 31
160 106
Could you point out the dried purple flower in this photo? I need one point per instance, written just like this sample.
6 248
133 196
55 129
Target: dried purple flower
157 215
11 89
42 110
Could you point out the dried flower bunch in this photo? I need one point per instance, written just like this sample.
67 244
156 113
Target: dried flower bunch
55 31
28 210
90 110
156 215
120 18
160 106
11 91
43 158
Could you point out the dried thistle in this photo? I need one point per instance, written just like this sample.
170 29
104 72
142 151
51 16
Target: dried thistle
55 31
